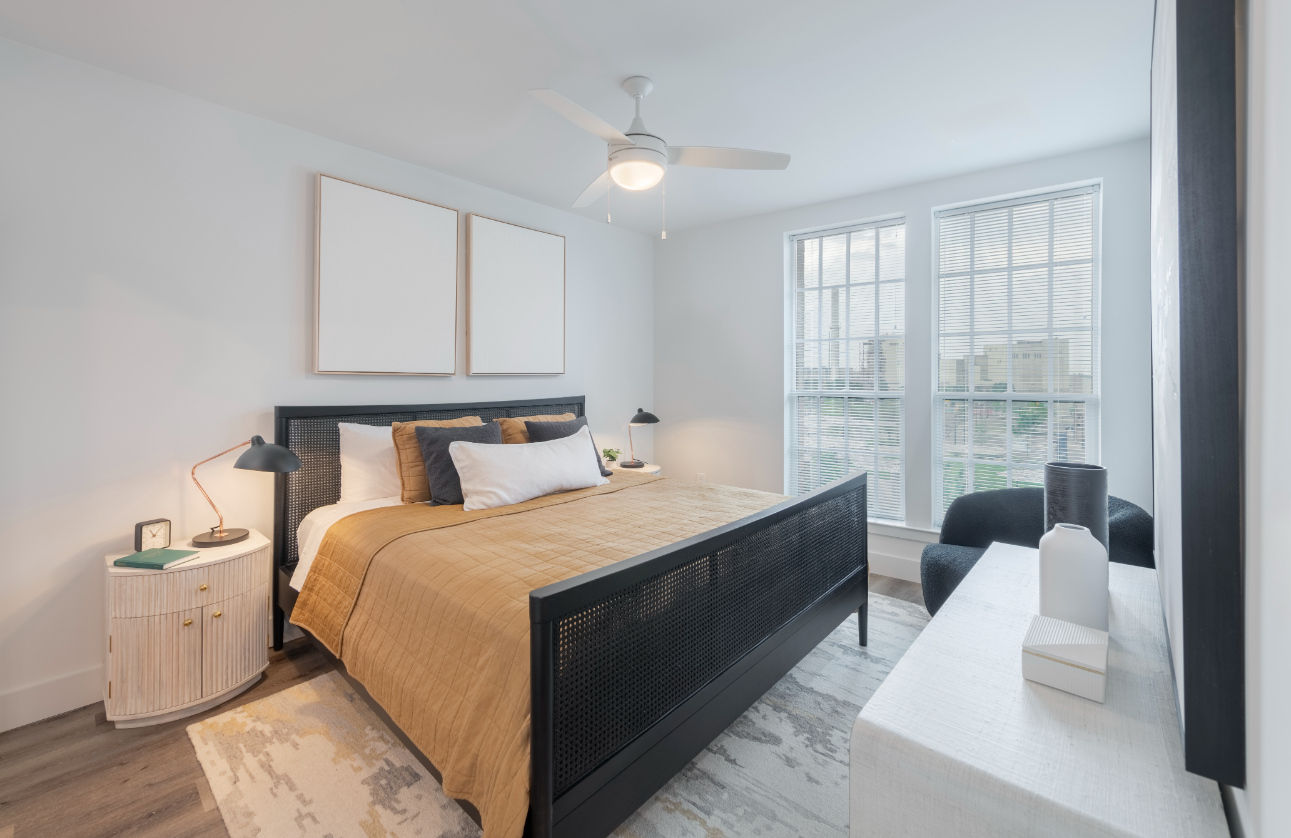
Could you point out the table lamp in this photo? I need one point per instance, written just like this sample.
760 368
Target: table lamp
261 456
642 418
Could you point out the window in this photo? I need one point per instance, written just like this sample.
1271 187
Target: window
847 389
1017 341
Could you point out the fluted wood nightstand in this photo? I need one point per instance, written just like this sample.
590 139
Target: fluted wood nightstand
185 639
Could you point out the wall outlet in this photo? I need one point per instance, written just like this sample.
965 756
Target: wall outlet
700 477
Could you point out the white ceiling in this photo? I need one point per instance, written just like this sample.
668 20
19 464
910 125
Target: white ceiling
864 94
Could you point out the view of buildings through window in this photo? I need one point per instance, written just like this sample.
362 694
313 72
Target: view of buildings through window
1017 342
848 378
1015 349
1030 364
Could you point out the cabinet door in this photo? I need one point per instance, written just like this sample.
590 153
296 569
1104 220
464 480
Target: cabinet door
154 663
234 646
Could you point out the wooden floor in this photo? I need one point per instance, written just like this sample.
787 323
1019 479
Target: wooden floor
77 776
897 588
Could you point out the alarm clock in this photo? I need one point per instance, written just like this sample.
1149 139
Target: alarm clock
149 535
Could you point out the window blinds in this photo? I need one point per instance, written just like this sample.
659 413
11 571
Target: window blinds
847 391
1017 341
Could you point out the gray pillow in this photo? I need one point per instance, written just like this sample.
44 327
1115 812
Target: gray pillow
441 474
547 431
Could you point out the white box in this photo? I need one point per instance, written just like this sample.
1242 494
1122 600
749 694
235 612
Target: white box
1067 656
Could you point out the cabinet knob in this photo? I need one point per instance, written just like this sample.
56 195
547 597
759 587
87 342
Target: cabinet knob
217 613
188 622
201 587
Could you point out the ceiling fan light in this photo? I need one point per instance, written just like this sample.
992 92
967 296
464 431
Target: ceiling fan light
636 174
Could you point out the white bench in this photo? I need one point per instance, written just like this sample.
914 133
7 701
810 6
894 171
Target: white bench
956 743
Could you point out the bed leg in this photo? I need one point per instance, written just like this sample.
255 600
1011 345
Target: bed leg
279 618
863 619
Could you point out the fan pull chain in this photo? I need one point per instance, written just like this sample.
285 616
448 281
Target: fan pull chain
664 209
609 219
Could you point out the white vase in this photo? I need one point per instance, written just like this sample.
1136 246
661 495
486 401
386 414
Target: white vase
1073 576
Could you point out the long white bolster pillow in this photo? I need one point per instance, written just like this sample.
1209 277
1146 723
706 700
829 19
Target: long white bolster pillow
500 475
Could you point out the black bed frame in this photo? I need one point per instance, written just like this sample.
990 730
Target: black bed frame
635 667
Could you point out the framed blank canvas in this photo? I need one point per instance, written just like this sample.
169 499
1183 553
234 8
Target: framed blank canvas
516 282
386 283
1196 194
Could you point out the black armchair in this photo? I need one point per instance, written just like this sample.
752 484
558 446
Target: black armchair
1016 516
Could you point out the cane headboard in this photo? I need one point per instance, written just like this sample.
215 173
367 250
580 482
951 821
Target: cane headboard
311 433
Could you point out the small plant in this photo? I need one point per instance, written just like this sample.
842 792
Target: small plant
611 454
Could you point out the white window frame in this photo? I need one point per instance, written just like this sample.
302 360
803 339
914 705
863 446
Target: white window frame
1093 413
792 394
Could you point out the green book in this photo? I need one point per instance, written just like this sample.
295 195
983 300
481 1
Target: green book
158 558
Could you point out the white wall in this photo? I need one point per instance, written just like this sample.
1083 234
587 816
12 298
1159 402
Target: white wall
156 302
1266 806
719 325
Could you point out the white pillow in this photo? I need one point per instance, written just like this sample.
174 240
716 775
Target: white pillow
369 469
499 475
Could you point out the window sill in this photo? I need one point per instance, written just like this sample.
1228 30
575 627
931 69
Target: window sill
898 529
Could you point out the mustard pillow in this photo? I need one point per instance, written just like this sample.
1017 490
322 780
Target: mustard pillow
412 468
514 431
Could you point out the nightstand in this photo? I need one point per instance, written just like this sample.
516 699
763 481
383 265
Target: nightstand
185 639
648 468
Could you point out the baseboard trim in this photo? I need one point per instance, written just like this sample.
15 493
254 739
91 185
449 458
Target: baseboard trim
46 699
898 567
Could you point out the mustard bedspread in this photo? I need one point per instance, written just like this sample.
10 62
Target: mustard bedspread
428 607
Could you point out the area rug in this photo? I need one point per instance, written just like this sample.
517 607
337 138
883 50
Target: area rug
315 761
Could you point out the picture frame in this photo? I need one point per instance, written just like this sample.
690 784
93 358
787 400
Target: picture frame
515 299
1196 375
385 282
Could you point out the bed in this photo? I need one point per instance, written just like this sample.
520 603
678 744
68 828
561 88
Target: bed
634 665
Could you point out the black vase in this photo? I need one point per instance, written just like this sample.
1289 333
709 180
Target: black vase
1076 493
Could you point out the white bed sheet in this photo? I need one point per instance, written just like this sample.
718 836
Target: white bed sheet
310 533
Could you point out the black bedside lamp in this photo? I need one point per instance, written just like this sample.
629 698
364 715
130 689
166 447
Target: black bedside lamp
261 456
642 418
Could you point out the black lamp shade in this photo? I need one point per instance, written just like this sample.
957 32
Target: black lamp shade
265 456
643 418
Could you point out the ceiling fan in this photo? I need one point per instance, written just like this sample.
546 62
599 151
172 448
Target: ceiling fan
638 159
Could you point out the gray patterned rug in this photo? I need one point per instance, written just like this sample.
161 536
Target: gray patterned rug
314 761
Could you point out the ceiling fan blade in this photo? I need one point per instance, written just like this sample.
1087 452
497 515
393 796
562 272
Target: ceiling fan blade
581 117
725 158
596 189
